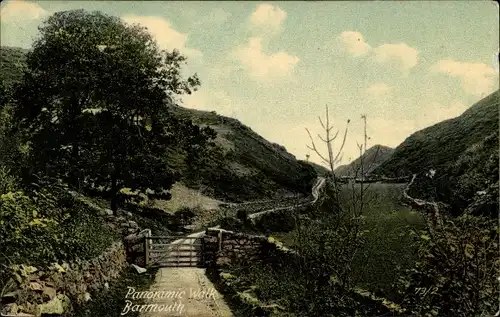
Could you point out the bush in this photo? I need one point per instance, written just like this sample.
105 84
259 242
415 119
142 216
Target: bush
8 182
44 228
455 273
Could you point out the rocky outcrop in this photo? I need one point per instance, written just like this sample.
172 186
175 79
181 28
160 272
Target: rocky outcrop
59 288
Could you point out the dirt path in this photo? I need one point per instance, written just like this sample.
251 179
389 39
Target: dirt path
187 293
320 182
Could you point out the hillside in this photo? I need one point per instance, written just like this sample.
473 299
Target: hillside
12 61
372 159
463 152
441 144
242 166
321 170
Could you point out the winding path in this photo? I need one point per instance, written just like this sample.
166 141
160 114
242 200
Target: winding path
199 296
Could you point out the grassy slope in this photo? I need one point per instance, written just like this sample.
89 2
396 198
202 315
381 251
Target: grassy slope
388 245
251 167
321 170
441 144
372 158
464 153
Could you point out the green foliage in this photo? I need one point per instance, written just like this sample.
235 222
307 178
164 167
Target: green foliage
242 214
12 62
319 281
11 155
456 271
95 101
467 181
46 227
8 182
387 245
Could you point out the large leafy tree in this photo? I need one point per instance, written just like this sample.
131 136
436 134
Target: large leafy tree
95 105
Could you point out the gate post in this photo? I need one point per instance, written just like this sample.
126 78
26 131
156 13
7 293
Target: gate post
219 237
146 251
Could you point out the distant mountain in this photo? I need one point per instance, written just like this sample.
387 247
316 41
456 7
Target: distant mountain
441 144
372 159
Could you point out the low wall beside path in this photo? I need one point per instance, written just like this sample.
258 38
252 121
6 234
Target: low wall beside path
221 247
55 290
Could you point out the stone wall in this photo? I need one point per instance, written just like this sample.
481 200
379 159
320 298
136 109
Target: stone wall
433 209
221 247
229 246
61 287
134 248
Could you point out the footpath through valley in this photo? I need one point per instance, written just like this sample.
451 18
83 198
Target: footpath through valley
187 291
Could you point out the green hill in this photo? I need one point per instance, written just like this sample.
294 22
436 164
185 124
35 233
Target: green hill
463 154
242 165
321 170
441 144
372 158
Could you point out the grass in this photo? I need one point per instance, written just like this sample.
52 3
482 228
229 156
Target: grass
184 197
388 245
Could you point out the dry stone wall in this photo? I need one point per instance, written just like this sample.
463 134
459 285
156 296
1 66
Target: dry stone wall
57 289
222 247
434 209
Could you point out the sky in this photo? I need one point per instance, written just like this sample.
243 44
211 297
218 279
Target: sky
275 66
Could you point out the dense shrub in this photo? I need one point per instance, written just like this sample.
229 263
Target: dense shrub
456 270
8 182
43 227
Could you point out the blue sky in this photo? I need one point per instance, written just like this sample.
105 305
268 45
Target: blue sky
275 65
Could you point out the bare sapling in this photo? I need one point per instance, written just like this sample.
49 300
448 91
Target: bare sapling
334 235
334 156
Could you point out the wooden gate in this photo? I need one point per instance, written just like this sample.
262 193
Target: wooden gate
174 251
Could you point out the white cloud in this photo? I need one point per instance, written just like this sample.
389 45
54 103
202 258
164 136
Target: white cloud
353 43
262 66
267 15
401 53
165 35
477 78
378 90
19 10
